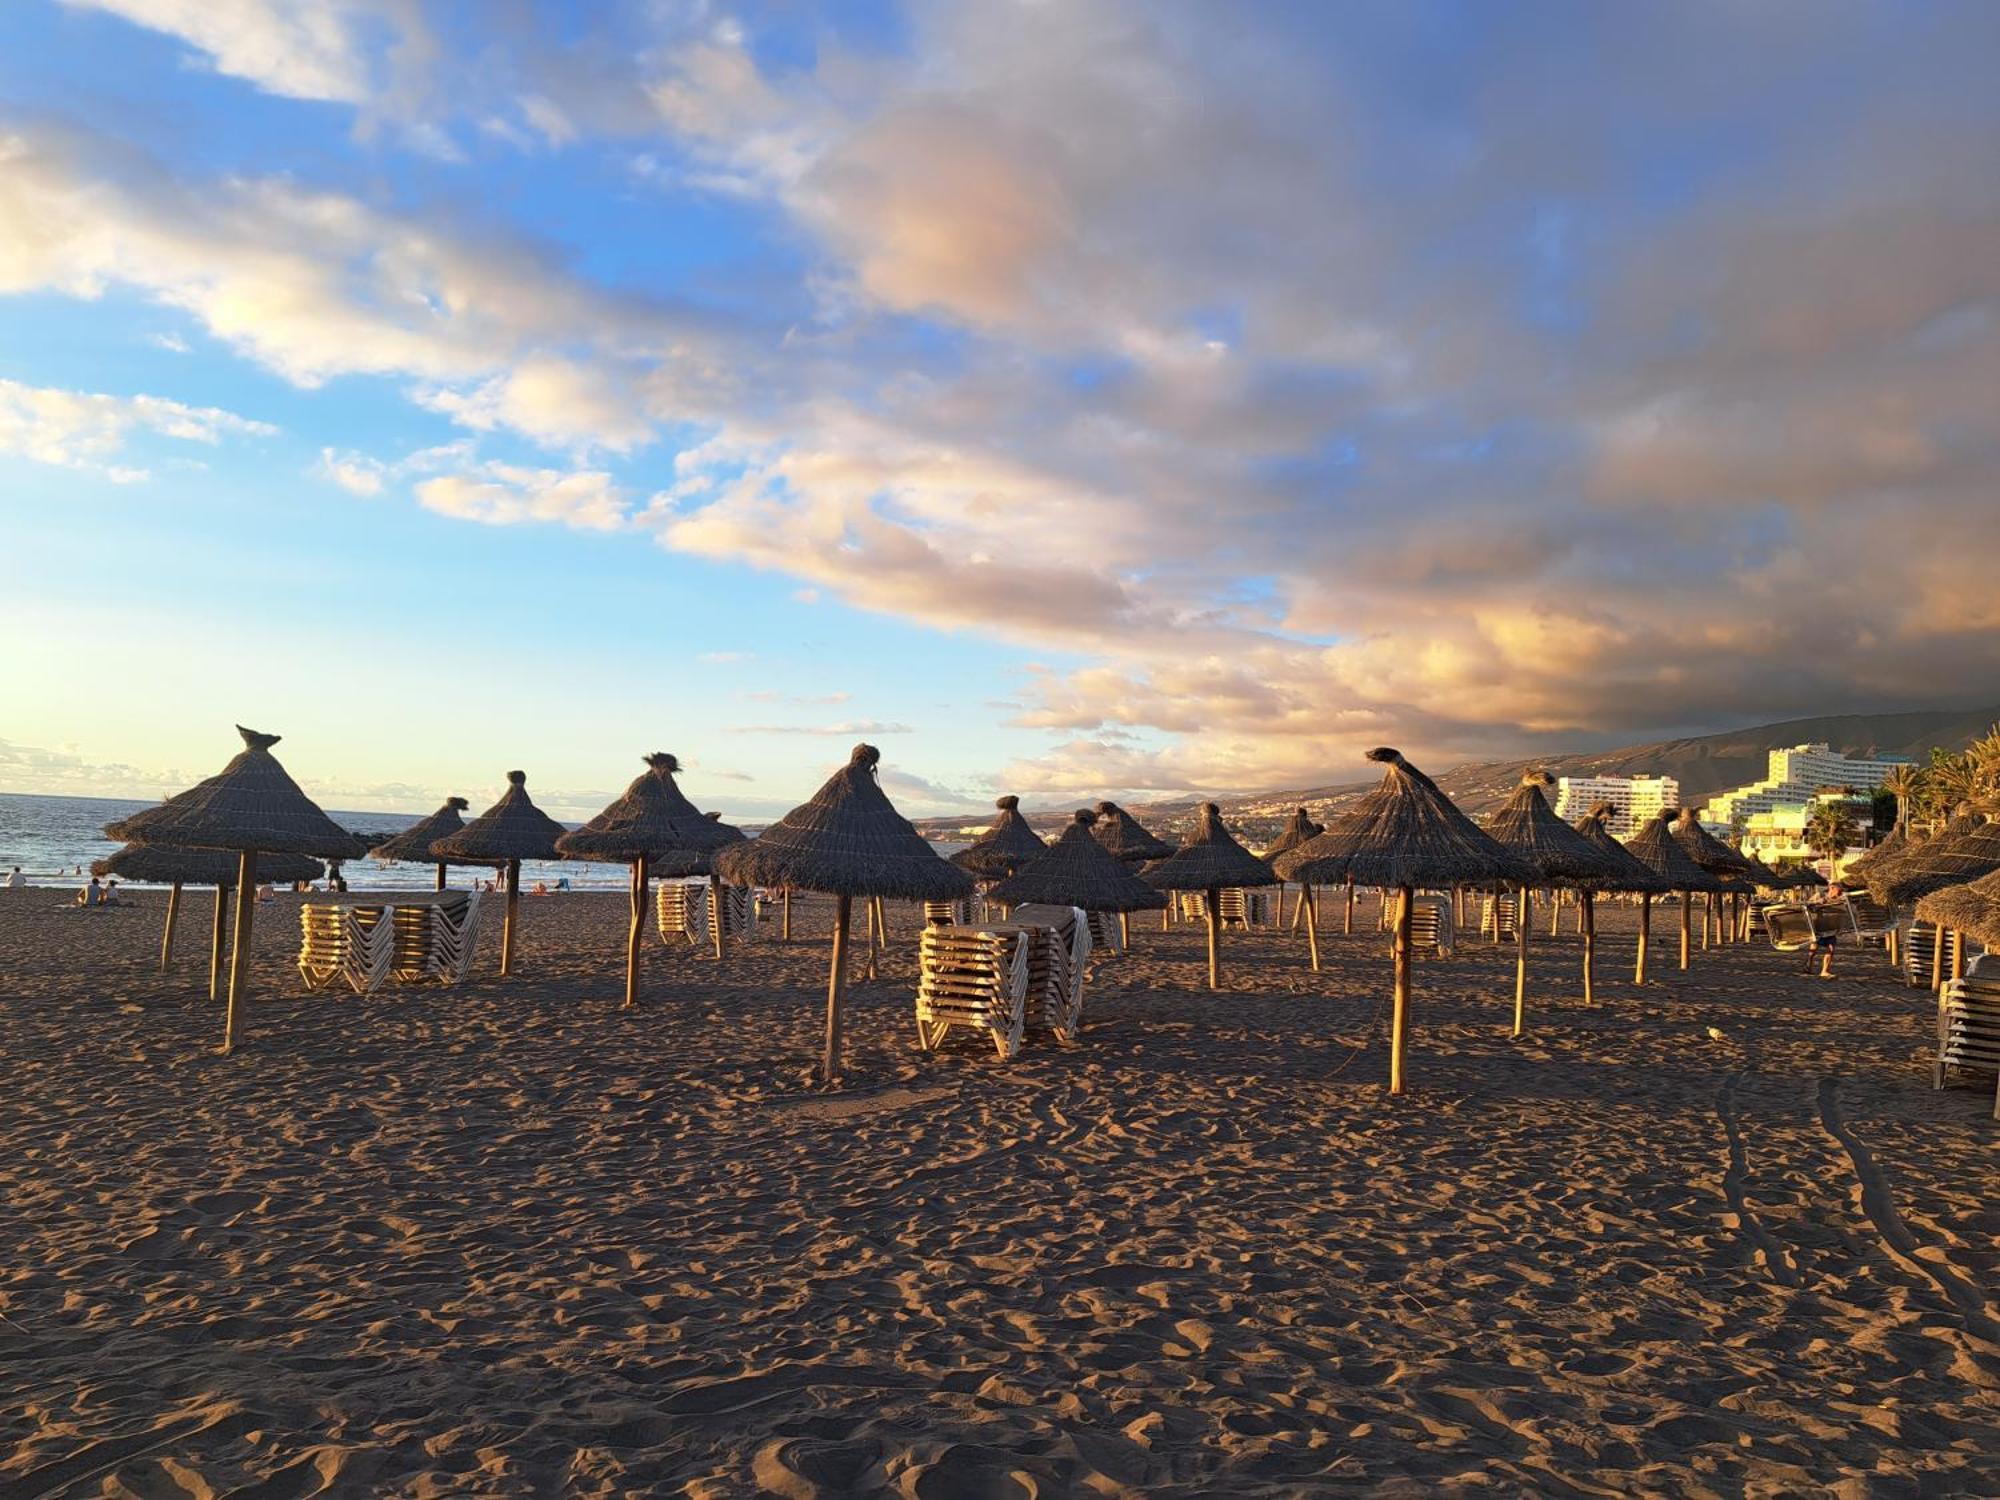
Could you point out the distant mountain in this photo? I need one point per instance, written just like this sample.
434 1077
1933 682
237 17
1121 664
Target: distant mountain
1704 765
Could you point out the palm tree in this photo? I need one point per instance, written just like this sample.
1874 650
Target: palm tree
1904 783
1831 830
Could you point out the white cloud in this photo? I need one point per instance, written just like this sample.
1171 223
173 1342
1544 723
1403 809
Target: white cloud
86 430
499 494
844 728
302 49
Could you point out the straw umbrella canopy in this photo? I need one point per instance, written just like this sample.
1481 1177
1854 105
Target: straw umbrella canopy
1949 859
511 830
1210 860
848 841
1403 835
252 807
1124 839
1738 876
1633 876
1528 828
1656 847
1971 907
652 821
1005 848
1962 820
1296 831
163 864
1892 847
413 844
1077 870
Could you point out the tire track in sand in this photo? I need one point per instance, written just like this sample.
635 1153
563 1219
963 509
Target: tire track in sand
1734 1176
1878 1202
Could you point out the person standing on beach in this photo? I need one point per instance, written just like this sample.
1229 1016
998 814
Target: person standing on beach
15 879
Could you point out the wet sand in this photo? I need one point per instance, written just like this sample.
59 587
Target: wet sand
507 1239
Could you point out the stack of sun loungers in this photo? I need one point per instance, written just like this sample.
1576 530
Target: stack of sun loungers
1238 907
948 913
976 977
1920 942
1059 947
1498 909
366 944
1969 1025
682 910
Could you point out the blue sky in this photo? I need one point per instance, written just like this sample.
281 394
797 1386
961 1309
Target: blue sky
1081 399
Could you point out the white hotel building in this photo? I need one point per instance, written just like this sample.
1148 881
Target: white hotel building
1635 800
1796 777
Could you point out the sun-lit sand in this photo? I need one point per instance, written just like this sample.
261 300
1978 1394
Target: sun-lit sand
508 1239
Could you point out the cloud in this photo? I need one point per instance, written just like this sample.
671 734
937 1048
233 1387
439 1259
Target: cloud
86 430
724 657
843 729
301 49
498 494
1300 381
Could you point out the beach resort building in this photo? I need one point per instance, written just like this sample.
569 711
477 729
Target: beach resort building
1635 800
1797 775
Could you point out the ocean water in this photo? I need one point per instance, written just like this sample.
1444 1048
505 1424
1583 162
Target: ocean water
53 838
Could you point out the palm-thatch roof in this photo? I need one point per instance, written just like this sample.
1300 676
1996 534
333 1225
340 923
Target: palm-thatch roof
1528 828
1655 847
1708 851
1633 874
163 864
701 861
1804 875
250 804
1123 839
1076 870
1971 907
512 828
1948 859
653 820
1005 848
414 843
1893 845
1296 832
1404 833
847 841
1209 859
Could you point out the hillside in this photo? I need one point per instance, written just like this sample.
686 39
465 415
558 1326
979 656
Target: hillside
1704 764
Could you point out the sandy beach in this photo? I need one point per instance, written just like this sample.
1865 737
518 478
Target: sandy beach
508 1240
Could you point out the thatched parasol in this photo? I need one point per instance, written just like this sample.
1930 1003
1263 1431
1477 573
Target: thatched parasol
848 841
1210 860
1949 859
1295 832
413 844
1123 839
252 807
1076 870
1403 835
1005 848
1528 828
1737 874
1633 876
163 864
511 830
652 823
1892 846
1655 847
1970 908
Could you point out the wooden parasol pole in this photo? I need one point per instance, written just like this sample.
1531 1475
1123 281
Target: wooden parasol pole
715 910
785 918
239 950
1937 957
836 986
507 925
1588 898
1312 925
1687 926
1348 929
167 936
636 933
1523 920
1957 955
1493 938
1399 1013
440 875
1645 932
1167 913
1124 929
1212 906
216 939
1555 913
